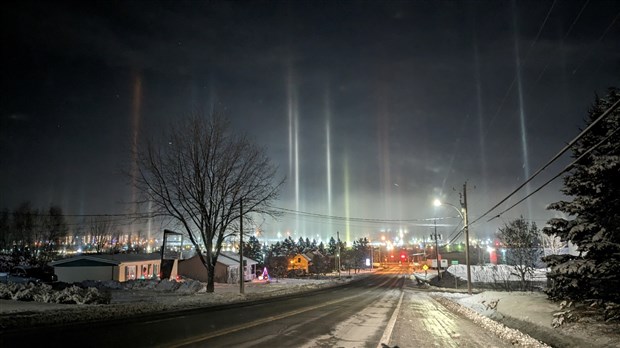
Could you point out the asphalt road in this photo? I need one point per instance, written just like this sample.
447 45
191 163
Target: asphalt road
377 309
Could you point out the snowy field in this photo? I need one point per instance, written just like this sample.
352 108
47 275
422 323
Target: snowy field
528 312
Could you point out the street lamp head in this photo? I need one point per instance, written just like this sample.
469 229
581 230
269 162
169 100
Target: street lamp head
461 211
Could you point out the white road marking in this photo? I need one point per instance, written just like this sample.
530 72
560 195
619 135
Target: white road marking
390 326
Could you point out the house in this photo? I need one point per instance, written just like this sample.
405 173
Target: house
300 262
119 267
226 268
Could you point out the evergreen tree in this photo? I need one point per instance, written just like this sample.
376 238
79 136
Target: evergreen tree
332 247
302 246
252 249
276 249
314 246
594 185
359 252
289 248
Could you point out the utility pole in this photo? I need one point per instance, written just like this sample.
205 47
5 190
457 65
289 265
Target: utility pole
372 255
338 252
466 228
241 268
437 252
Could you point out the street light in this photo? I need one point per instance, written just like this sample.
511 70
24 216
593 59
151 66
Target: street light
463 215
437 252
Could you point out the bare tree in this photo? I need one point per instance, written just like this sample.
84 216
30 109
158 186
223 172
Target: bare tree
100 232
5 229
24 227
200 176
522 241
55 228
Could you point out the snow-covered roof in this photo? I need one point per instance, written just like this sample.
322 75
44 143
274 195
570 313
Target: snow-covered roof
115 259
232 259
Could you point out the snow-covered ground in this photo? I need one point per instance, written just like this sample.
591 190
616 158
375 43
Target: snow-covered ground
528 312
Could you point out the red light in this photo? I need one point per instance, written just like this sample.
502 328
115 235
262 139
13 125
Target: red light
402 256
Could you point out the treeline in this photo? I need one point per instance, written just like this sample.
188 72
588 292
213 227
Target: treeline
39 235
324 258
30 232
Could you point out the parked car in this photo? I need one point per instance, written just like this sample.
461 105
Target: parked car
27 274
17 276
45 274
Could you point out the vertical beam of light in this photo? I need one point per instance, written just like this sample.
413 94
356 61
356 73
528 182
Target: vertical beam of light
481 130
136 108
347 200
526 161
296 119
293 137
385 180
328 159
289 99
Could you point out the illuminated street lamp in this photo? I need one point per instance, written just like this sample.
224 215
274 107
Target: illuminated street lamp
463 214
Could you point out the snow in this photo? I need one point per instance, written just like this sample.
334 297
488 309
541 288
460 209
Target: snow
494 273
513 313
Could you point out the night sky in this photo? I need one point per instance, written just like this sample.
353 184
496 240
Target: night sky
409 99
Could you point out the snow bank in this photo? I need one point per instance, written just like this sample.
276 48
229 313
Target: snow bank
494 273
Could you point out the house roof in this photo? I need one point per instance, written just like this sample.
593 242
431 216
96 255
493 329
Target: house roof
305 256
102 260
232 259
228 258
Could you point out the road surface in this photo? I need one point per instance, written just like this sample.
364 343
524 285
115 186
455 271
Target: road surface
377 309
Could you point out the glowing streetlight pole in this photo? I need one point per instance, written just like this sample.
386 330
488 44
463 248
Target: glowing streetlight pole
463 216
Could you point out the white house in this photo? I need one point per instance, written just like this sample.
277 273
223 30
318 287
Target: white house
119 267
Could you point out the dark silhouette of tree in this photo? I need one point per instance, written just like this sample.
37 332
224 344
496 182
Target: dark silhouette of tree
200 175
288 247
522 241
53 228
332 246
5 229
594 229
359 253
253 250
320 264
24 228
301 245
100 233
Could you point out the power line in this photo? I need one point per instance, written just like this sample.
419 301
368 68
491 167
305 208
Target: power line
567 168
356 219
566 148
583 7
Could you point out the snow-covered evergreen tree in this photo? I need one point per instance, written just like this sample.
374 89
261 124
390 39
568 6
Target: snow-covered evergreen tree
594 185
